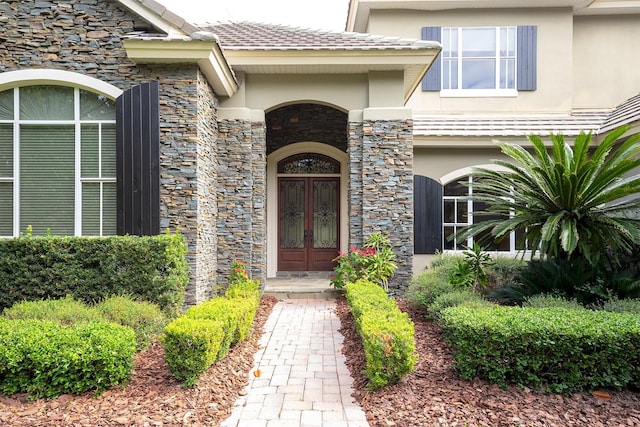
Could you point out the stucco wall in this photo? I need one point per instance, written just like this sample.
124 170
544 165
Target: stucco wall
85 37
606 60
555 62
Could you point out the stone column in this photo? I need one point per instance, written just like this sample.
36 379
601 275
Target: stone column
385 184
241 193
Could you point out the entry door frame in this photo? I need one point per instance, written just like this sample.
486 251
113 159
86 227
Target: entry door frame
272 195
308 258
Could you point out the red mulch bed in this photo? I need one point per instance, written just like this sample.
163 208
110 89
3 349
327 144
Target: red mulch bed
431 396
152 397
434 395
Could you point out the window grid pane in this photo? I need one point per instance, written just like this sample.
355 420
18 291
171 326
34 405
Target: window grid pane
6 209
6 150
47 178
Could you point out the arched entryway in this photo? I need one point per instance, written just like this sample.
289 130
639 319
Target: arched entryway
307 181
307 222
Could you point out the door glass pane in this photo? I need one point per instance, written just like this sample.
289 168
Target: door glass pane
292 214
47 179
46 103
6 150
325 214
6 105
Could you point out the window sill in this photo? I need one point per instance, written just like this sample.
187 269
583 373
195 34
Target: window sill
479 93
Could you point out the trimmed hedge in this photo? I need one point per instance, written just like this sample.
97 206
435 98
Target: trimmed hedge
206 332
387 334
561 350
191 346
152 268
46 359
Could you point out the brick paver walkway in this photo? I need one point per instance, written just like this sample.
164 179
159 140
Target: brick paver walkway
303 377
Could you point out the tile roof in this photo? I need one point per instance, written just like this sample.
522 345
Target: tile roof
625 113
257 36
508 125
598 122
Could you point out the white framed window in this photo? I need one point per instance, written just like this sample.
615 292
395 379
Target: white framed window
479 61
459 212
57 161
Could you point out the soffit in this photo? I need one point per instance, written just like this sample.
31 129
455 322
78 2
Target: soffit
277 49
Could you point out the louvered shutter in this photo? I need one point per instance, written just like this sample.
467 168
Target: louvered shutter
527 57
138 160
427 227
432 81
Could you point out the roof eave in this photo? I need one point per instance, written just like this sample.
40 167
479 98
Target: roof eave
159 17
206 54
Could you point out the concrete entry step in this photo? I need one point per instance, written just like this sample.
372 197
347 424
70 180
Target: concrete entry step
300 284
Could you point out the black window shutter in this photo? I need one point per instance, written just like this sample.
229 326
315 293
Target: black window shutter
138 160
427 226
527 57
432 80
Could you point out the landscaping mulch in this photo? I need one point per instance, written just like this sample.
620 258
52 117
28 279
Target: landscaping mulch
431 396
434 395
152 397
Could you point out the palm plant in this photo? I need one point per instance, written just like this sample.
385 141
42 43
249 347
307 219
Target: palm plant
567 202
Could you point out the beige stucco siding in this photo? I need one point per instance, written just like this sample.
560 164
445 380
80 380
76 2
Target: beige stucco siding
267 91
606 60
436 163
555 63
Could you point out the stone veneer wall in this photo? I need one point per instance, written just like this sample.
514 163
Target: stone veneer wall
259 171
85 36
384 188
235 196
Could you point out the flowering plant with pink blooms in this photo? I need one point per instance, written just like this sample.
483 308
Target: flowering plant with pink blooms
374 262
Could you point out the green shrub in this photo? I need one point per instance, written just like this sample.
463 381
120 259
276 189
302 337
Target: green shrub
143 317
220 309
504 271
46 359
425 287
551 301
387 333
622 306
191 346
64 311
152 268
452 299
562 350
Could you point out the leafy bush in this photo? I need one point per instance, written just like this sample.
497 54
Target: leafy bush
152 268
46 359
65 311
455 298
622 306
471 271
425 287
144 318
374 262
191 346
205 333
504 271
551 301
387 334
219 309
562 350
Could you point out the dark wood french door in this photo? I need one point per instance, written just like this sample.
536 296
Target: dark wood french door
308 223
